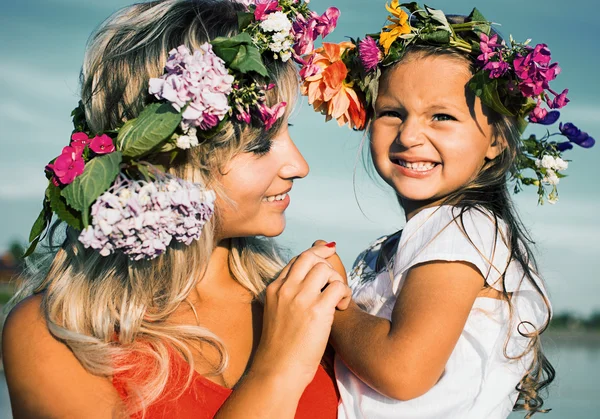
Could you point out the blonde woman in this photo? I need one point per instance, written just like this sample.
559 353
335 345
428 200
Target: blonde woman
156 301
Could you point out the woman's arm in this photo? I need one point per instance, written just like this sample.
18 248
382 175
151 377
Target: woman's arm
404 358
299 312
44 378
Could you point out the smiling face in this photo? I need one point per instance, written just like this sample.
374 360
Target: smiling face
429 136
257 184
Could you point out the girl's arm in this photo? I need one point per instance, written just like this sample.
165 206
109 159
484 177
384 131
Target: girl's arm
404 358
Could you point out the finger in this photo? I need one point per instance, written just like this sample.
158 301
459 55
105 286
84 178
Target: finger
319 277
336 263
284 272
322 249
336 294
302 266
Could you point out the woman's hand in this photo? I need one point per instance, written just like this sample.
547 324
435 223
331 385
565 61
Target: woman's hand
299 311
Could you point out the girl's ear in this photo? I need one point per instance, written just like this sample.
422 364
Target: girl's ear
496 147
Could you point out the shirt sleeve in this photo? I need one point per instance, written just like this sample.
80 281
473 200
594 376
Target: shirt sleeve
450 234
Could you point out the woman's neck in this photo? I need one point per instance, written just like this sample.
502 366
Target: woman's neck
218 281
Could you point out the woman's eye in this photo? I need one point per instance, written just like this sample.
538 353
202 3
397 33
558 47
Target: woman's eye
390 114
443 117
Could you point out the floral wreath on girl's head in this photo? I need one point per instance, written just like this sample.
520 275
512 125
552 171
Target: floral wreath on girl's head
342 80
102 183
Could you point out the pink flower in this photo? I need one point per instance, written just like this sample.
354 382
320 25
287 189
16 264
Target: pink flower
369 52
242 114
102 144
559 101
541 116
68 165
209 121
305 34
80 140
496 68
310 69
264 7
270 115
488 47
327 22
535 71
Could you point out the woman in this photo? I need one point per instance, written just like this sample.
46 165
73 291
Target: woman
153 305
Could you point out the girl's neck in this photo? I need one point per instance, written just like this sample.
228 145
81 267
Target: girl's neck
412 208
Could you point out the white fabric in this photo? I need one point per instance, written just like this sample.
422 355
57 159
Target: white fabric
479 380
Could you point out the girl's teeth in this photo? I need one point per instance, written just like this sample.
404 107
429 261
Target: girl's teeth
419 166
275 198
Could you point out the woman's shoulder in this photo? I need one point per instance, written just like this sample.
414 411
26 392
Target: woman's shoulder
42 373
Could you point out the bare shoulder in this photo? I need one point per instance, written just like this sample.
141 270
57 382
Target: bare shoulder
44 377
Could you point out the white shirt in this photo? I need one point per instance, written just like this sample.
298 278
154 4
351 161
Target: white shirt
479 380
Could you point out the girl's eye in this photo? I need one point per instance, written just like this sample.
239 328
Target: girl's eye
443 117
390 114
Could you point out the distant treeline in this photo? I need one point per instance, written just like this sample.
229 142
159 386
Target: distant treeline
574 322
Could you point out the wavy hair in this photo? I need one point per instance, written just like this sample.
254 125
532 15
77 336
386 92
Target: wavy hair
107 308
488 193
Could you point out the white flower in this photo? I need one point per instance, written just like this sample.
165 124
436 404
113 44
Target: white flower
280 36
552 200
551 178
547 162
560 164
187 141
276 22
285 56
276 46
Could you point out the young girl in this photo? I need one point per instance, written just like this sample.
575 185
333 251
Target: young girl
448 312
156 303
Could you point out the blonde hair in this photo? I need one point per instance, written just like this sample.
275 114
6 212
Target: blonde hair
107 308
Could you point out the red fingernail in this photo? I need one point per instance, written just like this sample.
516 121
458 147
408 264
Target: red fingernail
330 244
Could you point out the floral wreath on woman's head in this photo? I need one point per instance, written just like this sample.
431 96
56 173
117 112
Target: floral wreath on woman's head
342 80
102 183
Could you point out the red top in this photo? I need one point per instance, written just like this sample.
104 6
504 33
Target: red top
203 398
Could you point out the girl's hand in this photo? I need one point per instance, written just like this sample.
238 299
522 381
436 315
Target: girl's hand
299 311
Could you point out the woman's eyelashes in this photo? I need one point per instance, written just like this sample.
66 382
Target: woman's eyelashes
261 148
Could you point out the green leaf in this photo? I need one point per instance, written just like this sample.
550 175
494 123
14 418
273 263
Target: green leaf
41 222
487 90
438 37
155 124
438 16
98 176
477 16
239 53
59 206
244 20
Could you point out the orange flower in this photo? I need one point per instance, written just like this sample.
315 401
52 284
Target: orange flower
398 27
326 88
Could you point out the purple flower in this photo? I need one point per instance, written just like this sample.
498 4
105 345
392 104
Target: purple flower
369 52
564 146
575 135
541 116
242 113
305 34
559 101
270 115
102 144
496 68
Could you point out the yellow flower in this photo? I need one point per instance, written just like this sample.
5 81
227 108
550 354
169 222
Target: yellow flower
398 27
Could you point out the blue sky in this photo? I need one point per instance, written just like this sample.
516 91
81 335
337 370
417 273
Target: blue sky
42 48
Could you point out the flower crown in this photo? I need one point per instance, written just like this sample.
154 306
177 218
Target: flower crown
102 183
342 80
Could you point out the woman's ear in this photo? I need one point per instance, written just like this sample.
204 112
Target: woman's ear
496 147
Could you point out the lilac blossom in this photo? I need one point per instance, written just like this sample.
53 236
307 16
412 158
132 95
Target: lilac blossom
488 47
497 68
199 83
141 219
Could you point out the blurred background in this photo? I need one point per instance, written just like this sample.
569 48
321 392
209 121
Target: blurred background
42 49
